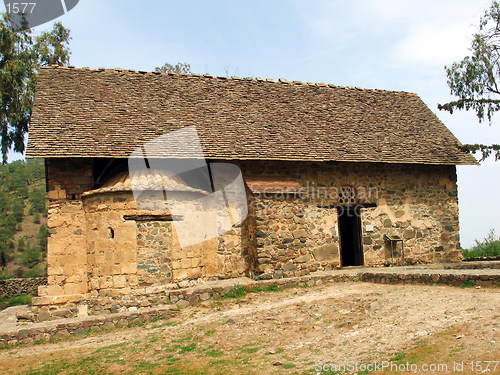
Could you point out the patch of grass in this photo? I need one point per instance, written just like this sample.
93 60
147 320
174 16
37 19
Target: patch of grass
107 348
187 348
222 362
280 350
87 365
266 288
210 332
398 357
23 299
237 292
288 366
143 365
166 324
137 323
242 291
468 284
250 350
214 353
172 360
183 339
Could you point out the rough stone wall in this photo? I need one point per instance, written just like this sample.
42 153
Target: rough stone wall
66 251
15 287
68 178
294 237
94 253
298 233
231 256
154 253
111 244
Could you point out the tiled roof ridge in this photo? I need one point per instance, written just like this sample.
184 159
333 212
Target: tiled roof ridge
234 78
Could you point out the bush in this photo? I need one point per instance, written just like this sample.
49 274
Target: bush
35 272
23 299
489 247
31 256
18 210
5 274
21 245
38 200
43 233
3 258
36 218
237 292
18 272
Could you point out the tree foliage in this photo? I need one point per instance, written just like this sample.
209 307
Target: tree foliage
177 68
21 55
475 79
22 186
3 258
489 247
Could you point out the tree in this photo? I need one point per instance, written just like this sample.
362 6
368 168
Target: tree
475 79
43 234
38 200
3 258
177 68
21 55
31 256
18 210
21 245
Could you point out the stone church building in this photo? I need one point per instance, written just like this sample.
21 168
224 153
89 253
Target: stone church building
332 176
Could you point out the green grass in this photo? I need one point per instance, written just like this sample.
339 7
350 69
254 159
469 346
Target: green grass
166 324
468 284
237 292
187 348
398 357
183 339
23 299
267 288
214 353
242 291
250 350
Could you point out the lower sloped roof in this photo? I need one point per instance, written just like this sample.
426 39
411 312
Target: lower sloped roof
110 113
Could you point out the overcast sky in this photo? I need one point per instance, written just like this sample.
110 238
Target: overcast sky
383 44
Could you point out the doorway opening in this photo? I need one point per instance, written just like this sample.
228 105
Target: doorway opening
351 249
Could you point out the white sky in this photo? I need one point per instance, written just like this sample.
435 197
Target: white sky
385 44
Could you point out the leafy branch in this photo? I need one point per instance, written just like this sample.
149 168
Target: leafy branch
474 79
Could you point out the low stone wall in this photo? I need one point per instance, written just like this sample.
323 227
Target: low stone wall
61 329
15 287
429 278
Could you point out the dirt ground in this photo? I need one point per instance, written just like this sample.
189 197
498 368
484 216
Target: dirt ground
302 330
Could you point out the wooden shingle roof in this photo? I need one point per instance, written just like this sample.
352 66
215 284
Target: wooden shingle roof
109 113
